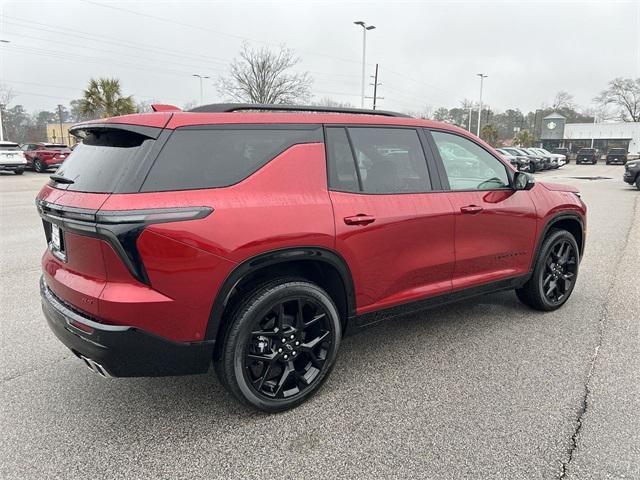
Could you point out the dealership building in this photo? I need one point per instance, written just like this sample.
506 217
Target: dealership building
603 136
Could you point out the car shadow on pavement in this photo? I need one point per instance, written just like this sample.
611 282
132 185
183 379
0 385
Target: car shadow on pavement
361 355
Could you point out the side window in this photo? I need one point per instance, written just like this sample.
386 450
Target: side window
390 160
342 168
212 158
469 166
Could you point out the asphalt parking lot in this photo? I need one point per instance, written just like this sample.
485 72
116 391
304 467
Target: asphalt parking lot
483 389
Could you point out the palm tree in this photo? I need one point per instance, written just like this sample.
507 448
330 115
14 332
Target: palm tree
103 98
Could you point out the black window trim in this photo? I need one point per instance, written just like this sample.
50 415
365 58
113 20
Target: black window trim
444 179
434 180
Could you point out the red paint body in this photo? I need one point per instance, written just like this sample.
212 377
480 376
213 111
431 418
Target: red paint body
419 245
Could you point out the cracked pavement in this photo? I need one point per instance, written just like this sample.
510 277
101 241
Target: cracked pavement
482 389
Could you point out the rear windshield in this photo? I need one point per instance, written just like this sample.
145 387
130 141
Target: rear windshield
618 151
586 150
55 147
219 157
98 163
13 147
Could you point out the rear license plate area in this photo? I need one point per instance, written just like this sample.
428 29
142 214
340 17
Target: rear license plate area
55 238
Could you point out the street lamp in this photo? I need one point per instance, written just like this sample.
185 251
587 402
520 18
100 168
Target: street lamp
2 40
365 27
482 77
201 77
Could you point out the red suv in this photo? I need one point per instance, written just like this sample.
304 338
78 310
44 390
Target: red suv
44 156
258 239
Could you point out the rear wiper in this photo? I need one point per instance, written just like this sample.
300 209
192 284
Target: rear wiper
60 179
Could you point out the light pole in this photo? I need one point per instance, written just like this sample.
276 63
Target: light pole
482 77
365 27
201 77
2 40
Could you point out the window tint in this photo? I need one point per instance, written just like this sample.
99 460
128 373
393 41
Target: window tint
469 166
209 158
342 168
102 159
390 160
9 146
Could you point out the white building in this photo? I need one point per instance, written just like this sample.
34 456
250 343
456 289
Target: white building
604 135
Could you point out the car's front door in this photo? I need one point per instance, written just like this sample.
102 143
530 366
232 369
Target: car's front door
395 233
495 225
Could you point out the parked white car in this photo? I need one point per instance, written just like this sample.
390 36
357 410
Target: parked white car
12 158
561 159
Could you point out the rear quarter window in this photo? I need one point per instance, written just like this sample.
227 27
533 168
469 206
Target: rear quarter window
197 158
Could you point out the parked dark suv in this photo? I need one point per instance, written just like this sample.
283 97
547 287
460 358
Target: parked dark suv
587 155
617 155
632 173
256 240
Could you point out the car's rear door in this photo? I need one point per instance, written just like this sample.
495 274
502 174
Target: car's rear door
495 225
393 229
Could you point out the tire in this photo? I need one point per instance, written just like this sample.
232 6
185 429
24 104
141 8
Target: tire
554 274
608 162
19 171
283 365
38 166
638 182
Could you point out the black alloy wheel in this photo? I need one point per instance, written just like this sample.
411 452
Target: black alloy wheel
39 166
280 345
288 348
554 274
561 268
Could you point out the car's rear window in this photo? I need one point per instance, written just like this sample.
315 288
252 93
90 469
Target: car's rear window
586 150
9 147
102 159
195 158
618 151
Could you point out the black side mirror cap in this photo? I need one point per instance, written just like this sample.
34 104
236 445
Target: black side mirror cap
523 181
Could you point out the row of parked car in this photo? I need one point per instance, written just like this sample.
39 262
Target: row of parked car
532 159
592 155
37 156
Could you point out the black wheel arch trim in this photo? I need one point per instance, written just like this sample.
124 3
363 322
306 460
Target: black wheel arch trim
274 257
549 224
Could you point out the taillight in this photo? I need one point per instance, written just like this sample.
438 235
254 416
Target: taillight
120 228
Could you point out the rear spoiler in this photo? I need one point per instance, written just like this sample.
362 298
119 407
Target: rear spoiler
80 131
163 107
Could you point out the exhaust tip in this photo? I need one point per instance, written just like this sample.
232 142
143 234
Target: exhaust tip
94 366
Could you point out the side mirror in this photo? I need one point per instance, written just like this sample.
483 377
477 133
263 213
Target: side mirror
523 181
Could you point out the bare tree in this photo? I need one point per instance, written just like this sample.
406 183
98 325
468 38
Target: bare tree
330 102
263 76
6 95
624 94
563 100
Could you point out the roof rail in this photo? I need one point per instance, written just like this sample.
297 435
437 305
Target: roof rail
238 107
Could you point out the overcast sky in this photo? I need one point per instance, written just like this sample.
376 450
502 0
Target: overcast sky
429 51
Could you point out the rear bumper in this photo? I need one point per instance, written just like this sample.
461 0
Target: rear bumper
13 166
122 351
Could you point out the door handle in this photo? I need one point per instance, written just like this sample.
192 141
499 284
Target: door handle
471 209
360 219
